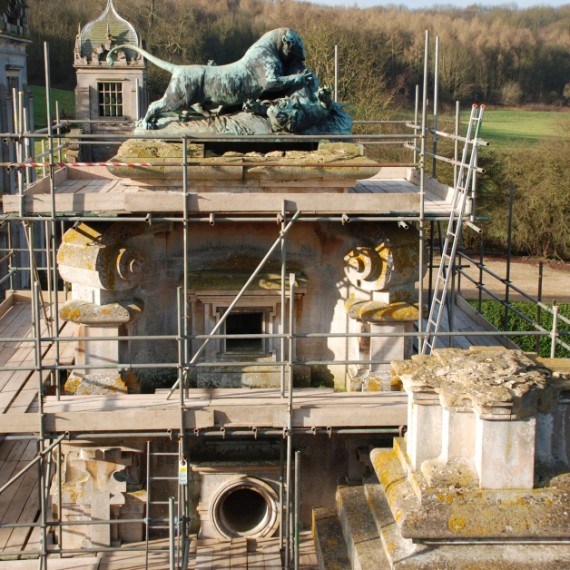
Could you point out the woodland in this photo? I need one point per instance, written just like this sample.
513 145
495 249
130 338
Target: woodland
500 56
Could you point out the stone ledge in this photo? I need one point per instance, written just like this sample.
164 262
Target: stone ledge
329 543
405 554
464 511
363 542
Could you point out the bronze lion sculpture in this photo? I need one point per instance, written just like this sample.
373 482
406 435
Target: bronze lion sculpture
271 67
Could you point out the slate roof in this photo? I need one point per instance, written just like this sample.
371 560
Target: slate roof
14 17
94 34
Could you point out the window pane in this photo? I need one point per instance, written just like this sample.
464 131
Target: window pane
110 99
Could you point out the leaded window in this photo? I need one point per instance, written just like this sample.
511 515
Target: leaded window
110 99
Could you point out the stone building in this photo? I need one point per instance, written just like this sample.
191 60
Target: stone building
108 99
14 38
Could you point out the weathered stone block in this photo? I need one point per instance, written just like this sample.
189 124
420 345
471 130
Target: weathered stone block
505 453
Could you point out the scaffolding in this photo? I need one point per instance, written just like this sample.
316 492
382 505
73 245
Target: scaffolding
35 237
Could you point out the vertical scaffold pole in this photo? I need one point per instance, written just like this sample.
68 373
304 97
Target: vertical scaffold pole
554 334
336 72
435 106
53 226
416 117
297 506
283 296
185 316
147 518
456 144
183 510
171 542
41 470
289 500
422 193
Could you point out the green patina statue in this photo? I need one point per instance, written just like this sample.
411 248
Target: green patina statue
277 92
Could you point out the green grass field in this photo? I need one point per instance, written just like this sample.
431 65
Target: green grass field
66 101
504 128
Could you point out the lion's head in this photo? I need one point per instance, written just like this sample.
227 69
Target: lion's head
296 113
292 46
284 115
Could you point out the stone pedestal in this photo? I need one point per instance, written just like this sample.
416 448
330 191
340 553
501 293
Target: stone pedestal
389 320
483 467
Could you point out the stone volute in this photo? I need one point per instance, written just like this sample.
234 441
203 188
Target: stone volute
103 271
383 276
387 265
98 258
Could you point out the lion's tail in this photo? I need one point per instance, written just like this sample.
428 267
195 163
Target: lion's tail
166 65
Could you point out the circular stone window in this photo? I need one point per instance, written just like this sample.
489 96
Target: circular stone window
245 506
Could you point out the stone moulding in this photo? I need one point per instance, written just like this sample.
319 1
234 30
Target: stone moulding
279 165
112 314
380 312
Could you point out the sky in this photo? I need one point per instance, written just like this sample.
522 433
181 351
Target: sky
414 4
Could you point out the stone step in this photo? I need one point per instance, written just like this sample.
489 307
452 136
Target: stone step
396 548
363 541
329 541
403 554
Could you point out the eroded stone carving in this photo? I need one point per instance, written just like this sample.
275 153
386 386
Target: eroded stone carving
102 269
100 483
99 259
383 273
483 473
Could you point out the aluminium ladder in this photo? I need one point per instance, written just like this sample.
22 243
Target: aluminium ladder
452 237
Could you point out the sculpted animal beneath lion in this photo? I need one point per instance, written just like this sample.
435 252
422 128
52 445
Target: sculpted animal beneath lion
309 115
272 66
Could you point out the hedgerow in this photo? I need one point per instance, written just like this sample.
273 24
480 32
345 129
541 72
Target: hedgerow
495 313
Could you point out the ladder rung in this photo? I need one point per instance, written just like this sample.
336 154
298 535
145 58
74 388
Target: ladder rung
171 478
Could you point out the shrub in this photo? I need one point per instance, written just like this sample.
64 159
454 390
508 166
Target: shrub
494 312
